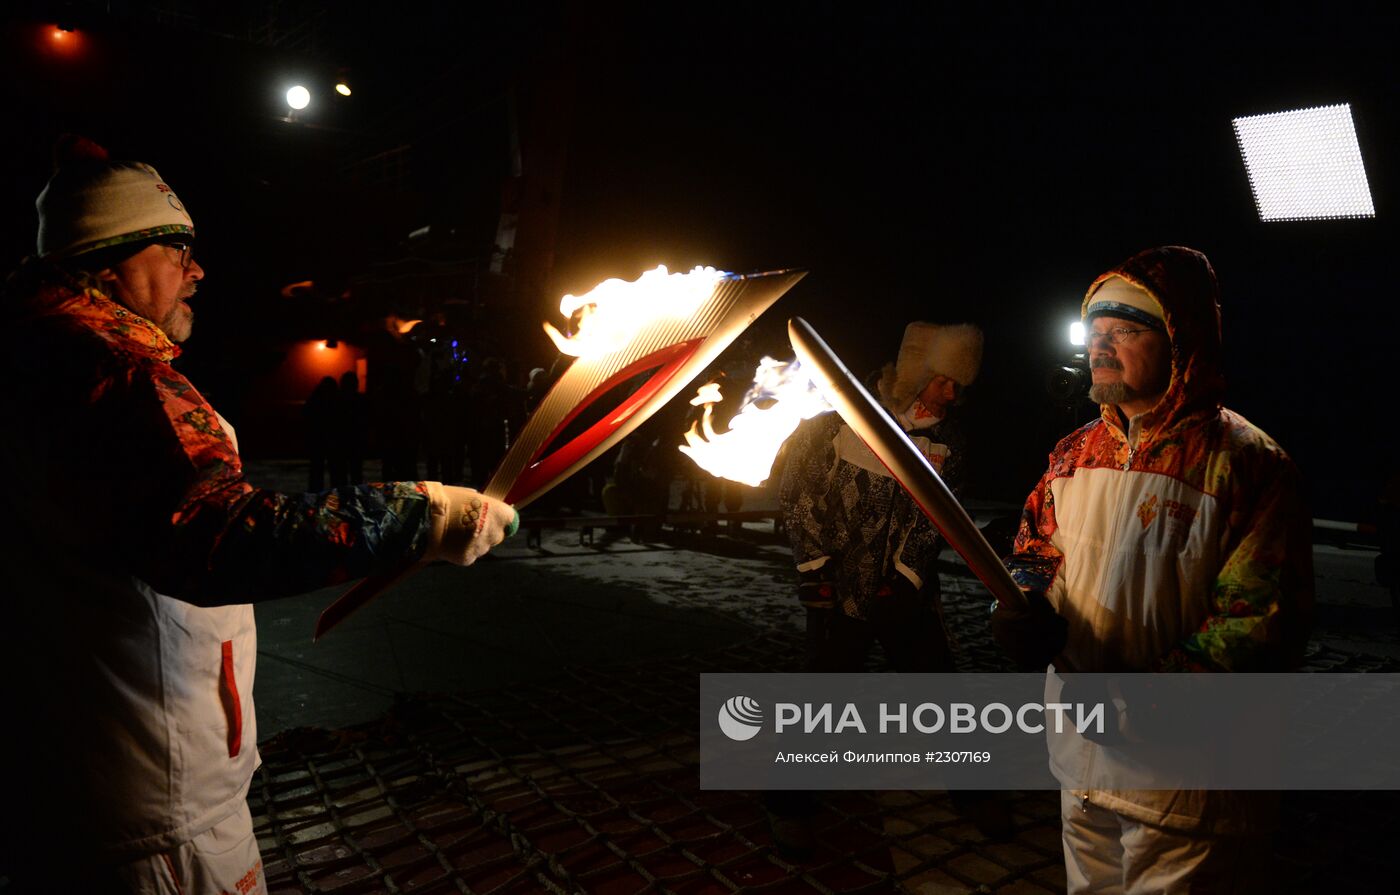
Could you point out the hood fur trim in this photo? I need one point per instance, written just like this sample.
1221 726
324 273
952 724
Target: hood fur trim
929 349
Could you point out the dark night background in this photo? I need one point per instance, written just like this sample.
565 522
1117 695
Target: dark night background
935 161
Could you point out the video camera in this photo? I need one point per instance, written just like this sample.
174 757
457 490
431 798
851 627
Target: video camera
1068 382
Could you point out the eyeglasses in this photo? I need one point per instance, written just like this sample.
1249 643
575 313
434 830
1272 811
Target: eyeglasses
1115 336
184 253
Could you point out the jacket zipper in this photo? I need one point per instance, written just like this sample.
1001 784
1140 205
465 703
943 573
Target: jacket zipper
1088 772
1132 434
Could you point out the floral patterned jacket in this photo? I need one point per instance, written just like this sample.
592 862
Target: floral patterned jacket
1178 544
1181 543
132 546
135 448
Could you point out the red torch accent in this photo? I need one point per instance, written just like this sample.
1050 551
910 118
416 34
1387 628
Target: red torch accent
542 472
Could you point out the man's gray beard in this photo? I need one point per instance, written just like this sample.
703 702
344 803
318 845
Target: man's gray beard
1114 393
180 324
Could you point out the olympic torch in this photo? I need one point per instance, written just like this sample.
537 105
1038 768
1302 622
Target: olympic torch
662 329
906 463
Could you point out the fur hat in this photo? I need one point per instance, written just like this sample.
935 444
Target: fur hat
1117 297
92 203
929 349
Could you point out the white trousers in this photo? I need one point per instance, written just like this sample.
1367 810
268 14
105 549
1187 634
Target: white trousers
1109 854
222 860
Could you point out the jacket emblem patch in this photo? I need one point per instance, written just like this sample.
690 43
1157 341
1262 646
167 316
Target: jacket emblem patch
1182 514
1147 511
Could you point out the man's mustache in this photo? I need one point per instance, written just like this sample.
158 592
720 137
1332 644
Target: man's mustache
1105 362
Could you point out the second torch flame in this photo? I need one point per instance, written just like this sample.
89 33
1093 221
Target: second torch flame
781 398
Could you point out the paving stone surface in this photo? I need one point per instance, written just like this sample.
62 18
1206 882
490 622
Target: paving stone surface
529 725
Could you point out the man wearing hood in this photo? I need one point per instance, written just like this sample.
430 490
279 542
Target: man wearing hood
1167 536
133 548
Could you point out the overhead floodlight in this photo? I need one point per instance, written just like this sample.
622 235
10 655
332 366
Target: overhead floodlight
298 97
342 88
1305 165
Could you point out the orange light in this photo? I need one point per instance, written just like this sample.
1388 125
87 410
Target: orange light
60 39
320 346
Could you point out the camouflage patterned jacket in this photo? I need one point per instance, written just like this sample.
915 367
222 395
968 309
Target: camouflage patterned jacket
848 518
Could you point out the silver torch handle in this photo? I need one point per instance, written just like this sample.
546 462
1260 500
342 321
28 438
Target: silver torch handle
905 462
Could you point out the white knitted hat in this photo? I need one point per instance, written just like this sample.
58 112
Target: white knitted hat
92 203
927 350
1116 297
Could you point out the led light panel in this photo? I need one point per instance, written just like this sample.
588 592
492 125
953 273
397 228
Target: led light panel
1305 165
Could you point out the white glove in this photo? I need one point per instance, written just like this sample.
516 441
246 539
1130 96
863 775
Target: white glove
466 524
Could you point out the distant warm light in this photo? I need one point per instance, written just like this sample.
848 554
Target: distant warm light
406 325
1076 333
342 88
61 39
298 97
1305 164
292 290
309 360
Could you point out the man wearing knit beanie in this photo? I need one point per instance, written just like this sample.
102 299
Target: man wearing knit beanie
120 222
134 548
865 554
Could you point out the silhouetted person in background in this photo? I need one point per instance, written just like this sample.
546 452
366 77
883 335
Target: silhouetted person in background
351 431
491 415
445 413
318 414
394 363
642 471
535 388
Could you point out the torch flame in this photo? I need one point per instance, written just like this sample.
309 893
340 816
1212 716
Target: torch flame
781 398
614 311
